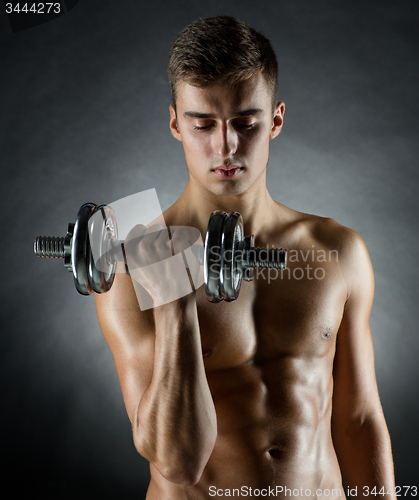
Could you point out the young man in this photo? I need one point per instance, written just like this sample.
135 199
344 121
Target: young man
274 394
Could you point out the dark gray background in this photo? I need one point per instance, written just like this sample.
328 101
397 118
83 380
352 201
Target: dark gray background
84 117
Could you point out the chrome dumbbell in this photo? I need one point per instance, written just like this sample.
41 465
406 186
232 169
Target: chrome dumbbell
227 256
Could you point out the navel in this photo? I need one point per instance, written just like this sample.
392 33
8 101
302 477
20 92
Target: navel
275 452
206 353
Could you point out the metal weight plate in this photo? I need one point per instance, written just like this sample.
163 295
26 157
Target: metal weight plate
103 235
212 256
231 271
93 273
79 249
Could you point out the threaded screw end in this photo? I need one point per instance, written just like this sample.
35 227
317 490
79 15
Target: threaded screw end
274 258
49 246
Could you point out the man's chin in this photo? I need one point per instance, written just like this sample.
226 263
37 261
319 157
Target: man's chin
229 189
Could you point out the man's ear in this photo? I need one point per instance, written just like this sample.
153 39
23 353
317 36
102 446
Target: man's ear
278 120
173 124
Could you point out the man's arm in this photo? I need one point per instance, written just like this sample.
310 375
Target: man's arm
159 363
359 429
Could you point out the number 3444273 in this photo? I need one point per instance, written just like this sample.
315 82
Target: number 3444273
35 8
401 491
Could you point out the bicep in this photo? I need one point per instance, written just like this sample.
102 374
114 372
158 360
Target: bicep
129 333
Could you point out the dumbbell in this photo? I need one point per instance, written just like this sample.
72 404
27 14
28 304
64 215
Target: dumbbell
227 256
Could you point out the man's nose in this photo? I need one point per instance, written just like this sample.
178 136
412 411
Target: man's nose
225 140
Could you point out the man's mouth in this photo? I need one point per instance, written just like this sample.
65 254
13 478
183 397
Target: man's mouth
227 171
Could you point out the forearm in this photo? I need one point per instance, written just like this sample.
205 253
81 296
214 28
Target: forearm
175 425
365 458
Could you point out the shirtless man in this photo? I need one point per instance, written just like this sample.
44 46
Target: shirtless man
273 395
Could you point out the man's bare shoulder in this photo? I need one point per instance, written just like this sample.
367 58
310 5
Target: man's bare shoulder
303 230
325 230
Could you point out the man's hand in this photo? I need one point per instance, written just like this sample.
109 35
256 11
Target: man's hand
156 261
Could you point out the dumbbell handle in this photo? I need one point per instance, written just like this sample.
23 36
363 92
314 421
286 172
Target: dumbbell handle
55 247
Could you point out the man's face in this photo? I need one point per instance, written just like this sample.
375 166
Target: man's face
226 132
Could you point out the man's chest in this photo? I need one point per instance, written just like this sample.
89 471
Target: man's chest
296 312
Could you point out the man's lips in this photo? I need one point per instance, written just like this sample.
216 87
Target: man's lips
227 171
231 166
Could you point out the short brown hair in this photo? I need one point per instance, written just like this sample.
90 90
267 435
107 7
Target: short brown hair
221 49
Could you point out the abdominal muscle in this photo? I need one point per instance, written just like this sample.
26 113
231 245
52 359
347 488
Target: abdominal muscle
273 422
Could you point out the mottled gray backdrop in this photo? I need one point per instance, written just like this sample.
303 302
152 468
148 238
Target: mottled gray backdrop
84 117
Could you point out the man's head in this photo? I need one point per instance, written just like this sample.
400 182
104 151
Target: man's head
223 76
221 50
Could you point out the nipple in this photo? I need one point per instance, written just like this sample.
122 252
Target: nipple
327 333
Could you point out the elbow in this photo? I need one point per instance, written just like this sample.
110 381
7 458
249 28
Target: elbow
364 428
185 471
185 476
180 466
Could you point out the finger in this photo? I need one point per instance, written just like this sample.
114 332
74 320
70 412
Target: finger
184 237
136 232
155 228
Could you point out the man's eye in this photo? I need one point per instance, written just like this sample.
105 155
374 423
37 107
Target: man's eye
203 127
244 126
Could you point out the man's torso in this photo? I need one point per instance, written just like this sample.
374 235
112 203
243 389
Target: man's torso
269 363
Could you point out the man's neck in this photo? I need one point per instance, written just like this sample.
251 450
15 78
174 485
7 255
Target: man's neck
255 205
